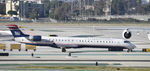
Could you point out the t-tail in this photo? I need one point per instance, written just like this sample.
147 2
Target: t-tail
16 32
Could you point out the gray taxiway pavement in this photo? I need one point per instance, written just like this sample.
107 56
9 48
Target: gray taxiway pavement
52 55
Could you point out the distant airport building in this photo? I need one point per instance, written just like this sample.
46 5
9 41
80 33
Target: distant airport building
145 1
11 6
38 1
26 7
3 1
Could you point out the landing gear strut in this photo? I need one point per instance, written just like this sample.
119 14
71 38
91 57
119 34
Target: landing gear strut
63 50
129 50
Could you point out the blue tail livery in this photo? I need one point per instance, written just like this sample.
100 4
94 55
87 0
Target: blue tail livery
16 32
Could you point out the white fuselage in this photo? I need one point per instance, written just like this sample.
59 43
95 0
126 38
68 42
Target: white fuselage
76 42
5 34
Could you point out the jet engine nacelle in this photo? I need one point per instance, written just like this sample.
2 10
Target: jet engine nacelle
35 38
149 36
126 34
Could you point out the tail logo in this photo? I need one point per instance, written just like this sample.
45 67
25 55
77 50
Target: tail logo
17 33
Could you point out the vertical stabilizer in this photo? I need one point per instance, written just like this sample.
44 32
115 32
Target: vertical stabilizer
16 32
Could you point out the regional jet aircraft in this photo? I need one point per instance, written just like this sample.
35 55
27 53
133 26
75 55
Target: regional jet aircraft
70 42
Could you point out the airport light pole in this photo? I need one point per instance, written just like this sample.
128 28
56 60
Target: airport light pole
11 5
107 9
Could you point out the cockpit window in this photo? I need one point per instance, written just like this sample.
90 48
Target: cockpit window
126 41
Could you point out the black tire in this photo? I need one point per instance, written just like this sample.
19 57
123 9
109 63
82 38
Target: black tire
129 50
63 49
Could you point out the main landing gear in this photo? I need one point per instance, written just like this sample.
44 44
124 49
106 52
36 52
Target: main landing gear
115 49
63 49
129 50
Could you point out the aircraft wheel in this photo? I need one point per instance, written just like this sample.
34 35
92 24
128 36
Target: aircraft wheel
129 50
63 49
